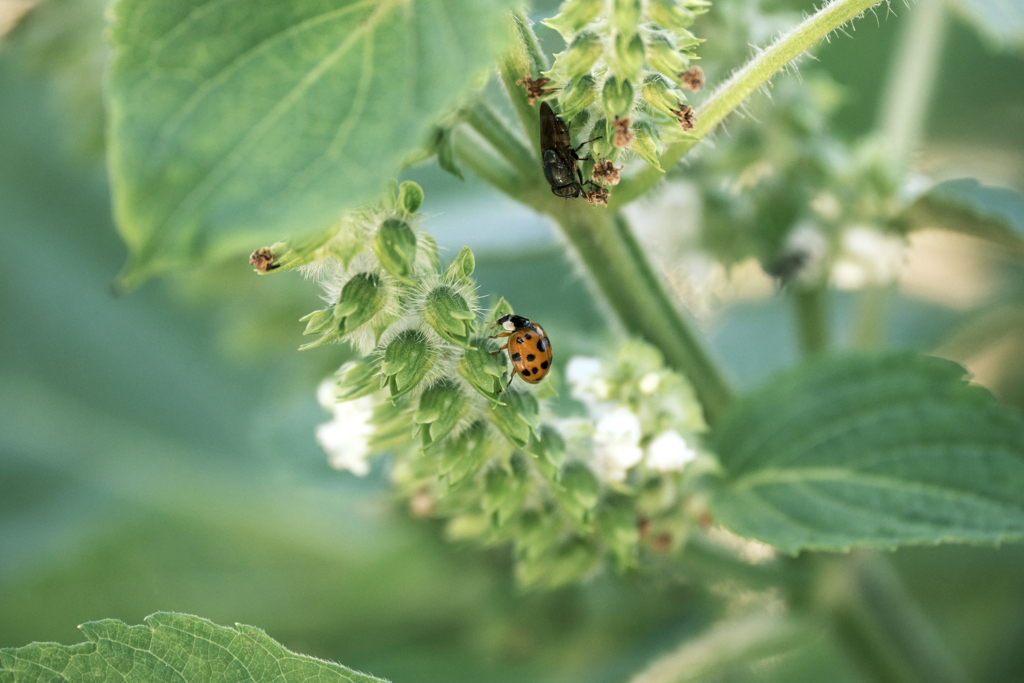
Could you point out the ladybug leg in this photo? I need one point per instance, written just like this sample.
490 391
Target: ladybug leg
500 350
512 377
501 336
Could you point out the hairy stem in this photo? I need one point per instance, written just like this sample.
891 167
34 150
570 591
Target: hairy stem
620 269
482 118
812 319
731 94
480 158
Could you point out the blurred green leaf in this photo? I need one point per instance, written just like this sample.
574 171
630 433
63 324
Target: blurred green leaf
233 124
169 647
871 450
1001 21
965 205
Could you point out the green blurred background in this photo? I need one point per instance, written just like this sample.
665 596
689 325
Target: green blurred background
157 450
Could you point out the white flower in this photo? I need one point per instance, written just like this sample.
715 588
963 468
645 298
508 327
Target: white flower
346 438
581 373
870 257
649 383
617 443
326 394
669 452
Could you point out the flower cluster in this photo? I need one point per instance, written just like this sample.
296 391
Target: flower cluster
624 72
429 389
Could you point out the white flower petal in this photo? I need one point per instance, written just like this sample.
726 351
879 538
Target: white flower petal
669 452
326 394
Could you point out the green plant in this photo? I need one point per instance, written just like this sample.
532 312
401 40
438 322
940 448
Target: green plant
290 125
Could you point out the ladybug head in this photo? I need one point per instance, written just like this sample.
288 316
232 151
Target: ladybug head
512 322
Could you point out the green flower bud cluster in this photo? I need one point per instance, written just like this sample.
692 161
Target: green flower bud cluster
625 66
431 388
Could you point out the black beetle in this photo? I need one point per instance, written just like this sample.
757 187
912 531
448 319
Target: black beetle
558 156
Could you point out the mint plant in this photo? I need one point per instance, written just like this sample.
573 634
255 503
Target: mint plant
283 137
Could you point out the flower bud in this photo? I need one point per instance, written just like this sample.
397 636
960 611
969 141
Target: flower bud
659 92
482 370
669 14
625 16
410 197
548 448
584 50
395 247
362 297
390 422
570 562
539 531
407 360
579 94
441 406
462 267
516 417
578 491
617 97
663 55
617 523
466 453
449 314
646 144
504 491
629 56
357 378
318 321
574 15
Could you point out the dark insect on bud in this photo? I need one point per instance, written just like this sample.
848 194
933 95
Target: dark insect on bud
558 155
692 79
535 88
263 259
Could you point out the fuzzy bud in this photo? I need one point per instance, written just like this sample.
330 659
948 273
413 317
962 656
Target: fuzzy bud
318 322
410 197
570 561
357 378
579 94
441 407
625 16
617 97
407 360
539 531
516 417
659 92
462 267
669 14
578 492
504 491
466 453
483 370
584 50
362 297
574 15
449 314
617 523
548 448
663 55
646 143
629 56
395 247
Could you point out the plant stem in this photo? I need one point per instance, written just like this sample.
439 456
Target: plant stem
488 123
524 59
620 268
812 317
488 166
872 312
731 94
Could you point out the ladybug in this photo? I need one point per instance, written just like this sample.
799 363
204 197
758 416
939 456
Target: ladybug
528 348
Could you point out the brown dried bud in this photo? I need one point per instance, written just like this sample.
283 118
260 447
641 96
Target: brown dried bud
535 88
661 543
606 173
692 79
598 196
623 136
262 259
687 118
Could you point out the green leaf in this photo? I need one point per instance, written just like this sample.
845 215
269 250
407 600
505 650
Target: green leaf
965 205
169 647
872 450
232 124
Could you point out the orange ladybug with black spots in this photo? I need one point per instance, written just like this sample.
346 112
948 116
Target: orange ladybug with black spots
528 348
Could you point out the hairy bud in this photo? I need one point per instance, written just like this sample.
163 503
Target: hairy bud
395 247
407 360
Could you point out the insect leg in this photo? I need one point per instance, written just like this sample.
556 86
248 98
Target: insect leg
586 143
500 350
500 336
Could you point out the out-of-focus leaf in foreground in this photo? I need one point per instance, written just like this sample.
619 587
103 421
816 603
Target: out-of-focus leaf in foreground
872 450
169 647
236 123
965 205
